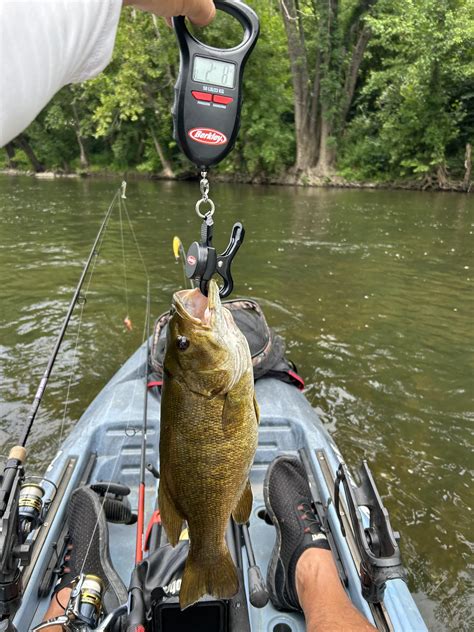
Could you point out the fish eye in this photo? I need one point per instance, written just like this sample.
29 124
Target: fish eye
182 343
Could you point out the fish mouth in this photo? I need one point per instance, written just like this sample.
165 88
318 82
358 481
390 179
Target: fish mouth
194 306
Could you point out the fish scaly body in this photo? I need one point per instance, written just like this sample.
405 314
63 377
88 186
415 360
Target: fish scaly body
208 438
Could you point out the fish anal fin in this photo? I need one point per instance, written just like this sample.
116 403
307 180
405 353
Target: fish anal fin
216 577
242 511
170 517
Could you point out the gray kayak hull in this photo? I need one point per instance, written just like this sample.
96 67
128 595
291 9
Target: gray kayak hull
106 445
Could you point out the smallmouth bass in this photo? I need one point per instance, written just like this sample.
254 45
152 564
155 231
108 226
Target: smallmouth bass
208 438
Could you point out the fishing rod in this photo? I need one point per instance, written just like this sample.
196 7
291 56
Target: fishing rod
143 465
136 605
21 506
47 373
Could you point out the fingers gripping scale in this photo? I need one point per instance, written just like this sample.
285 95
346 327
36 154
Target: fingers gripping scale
208 92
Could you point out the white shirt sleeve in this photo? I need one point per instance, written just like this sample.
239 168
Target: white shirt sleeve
46 44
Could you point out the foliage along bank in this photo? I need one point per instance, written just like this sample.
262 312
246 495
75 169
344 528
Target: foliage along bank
336 91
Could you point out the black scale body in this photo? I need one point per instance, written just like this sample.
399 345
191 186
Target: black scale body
208 92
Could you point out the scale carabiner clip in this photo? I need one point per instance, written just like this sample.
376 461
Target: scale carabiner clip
202 260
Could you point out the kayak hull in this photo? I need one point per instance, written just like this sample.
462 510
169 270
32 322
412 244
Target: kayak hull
105 445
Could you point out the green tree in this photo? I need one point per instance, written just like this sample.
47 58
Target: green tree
327 40
135 93
414 112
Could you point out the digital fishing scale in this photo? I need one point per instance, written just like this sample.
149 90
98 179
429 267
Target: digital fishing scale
208 93
206 119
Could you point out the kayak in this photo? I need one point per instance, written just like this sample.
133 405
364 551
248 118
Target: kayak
105 445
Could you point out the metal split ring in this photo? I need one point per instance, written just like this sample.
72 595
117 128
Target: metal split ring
211 210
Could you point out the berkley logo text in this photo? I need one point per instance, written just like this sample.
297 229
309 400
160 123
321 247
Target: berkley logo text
207 136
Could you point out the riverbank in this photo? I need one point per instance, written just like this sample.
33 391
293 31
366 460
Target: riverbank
286 179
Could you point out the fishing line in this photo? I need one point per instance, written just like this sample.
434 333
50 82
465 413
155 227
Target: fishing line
78 333
145 336
47 373
124 264
122 443
76 345
122 202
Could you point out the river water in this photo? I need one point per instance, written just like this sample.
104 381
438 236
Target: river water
372 291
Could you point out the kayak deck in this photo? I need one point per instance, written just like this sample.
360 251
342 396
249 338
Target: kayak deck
105 445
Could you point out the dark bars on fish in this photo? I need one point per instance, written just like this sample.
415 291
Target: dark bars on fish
47 373
141 488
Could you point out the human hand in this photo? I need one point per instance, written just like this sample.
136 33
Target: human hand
200 12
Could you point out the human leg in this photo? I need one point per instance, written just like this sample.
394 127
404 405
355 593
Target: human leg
323 600
302 574
88 553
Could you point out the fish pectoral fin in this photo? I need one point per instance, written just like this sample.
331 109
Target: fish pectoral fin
234 407
171 519
242 510
256 408
216 577
232 410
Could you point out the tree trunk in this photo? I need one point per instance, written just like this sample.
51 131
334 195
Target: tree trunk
442 176
10 149
353 72
468 167
324 93
327 152
22 143
167 170
306 102
328 52
83 159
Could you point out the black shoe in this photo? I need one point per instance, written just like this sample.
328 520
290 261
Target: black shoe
288 503
89 537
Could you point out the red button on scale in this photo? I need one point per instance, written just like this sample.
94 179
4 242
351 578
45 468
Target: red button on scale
217 98
201 96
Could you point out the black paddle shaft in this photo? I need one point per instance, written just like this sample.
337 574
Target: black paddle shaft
208 92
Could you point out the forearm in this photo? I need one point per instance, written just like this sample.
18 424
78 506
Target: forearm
46 45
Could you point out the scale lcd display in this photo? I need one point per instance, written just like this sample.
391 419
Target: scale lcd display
219 73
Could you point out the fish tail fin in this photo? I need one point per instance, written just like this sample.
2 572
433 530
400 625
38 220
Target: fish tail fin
216 577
